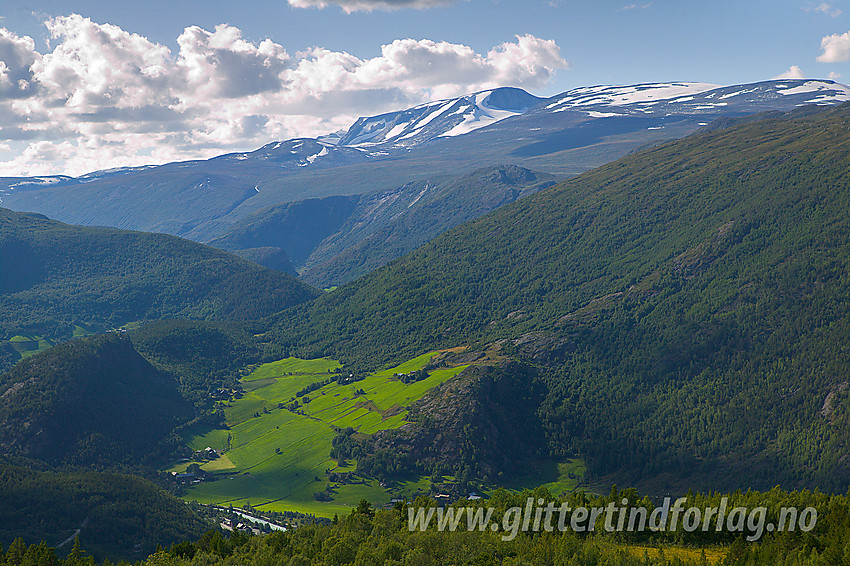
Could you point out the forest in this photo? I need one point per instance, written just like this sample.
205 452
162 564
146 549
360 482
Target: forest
384 537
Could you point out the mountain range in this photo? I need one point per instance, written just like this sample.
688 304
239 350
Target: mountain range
675 317
218 199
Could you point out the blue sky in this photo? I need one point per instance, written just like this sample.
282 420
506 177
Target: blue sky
94 84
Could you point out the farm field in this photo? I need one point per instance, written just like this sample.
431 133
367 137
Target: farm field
275 452
26 345
29 345
558 477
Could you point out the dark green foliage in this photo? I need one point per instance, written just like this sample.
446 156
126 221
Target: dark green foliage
383 537
92 402
203 356
117 515
688 304
481 425
54 275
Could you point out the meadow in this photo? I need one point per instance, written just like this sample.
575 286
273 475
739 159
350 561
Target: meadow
275 454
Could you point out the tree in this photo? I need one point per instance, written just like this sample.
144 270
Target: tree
365 508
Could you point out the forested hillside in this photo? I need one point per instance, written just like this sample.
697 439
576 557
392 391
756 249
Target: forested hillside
115 515
688 303
92 402
55 276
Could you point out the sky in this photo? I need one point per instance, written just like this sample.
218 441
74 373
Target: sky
87 85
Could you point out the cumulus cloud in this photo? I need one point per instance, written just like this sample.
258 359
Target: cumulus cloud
793 72
834 76
17 56
836 48
222 64
370 5
106 97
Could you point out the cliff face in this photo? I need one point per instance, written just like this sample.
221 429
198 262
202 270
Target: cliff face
481 424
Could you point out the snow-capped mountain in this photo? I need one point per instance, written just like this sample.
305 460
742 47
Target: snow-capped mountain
444 118
695 98
392 133
395 133
563 135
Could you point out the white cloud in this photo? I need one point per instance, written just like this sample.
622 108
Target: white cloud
836 48
824 8
834 76
17 56
369 5
104 97
222 64
793 72
635 7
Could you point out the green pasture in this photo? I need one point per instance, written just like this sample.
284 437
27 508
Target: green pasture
558 477
294 366
278 459
29 345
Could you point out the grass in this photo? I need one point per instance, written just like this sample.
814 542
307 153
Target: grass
281 457
26 345
714 555
81 331
294 366
558 477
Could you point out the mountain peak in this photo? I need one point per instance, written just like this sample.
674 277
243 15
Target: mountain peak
443 118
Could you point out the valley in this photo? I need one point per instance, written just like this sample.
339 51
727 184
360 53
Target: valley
275 453
672 321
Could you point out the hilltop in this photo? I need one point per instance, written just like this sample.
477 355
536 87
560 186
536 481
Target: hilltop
100 278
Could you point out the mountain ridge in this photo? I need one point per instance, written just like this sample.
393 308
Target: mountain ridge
686 303
562 135
103 278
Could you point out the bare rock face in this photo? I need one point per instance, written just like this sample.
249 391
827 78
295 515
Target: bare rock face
480 424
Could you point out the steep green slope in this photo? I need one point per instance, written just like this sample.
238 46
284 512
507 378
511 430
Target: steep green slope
54 275
689 303
92 402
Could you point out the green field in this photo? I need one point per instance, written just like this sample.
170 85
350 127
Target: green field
558 477
26 345
294 366
276 458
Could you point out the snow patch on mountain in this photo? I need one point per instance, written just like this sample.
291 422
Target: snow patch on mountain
479 115
828 92
626 95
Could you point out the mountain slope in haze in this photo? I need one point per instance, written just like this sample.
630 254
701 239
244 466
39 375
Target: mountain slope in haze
365 244
564 135
89 402
337 239
55 275
687 302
